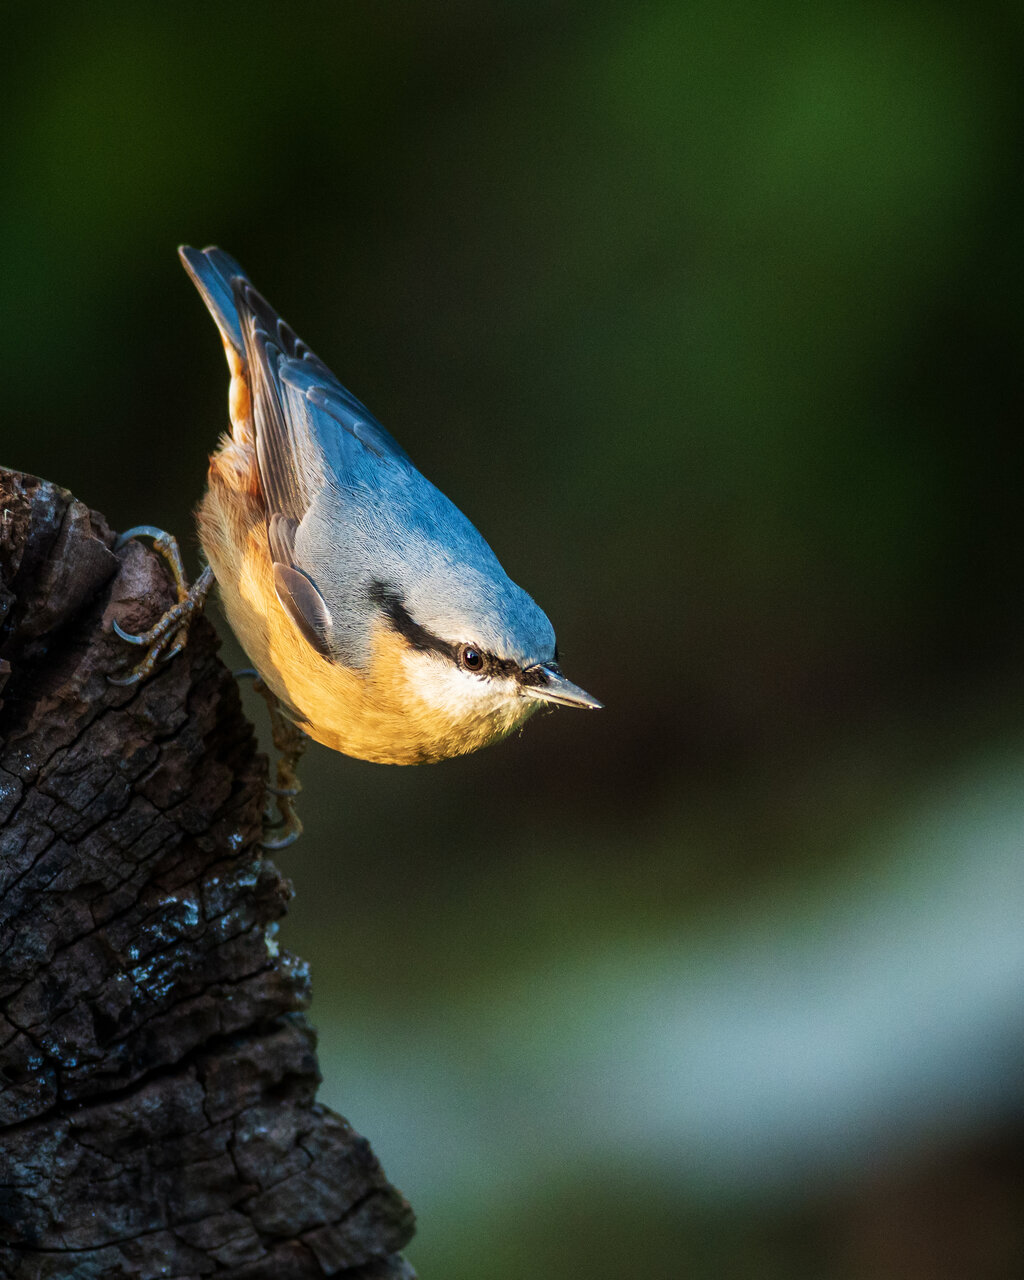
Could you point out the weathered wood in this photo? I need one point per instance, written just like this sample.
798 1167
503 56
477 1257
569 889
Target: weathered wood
157 1075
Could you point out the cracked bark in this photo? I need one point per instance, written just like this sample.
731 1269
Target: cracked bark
157 1074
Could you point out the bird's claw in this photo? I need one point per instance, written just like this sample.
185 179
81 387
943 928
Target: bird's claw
290 742
169 634
284 840
127 635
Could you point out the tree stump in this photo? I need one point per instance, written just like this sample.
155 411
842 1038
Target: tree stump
157 1074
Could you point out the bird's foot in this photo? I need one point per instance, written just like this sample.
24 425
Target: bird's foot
169 635
284 828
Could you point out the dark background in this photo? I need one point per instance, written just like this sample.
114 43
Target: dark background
710 317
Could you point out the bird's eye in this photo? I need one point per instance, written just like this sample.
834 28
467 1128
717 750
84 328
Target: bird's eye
471 658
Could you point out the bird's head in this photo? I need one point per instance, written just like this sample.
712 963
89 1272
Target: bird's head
472 654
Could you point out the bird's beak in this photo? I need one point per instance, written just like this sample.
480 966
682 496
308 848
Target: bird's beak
547 683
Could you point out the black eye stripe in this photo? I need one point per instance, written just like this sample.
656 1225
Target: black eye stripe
393 607
401 621
503 667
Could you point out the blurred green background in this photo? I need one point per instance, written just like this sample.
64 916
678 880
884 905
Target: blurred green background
710 316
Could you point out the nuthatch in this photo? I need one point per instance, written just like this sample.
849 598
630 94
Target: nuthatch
367 602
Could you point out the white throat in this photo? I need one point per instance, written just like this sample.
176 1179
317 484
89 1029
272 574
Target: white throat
453 692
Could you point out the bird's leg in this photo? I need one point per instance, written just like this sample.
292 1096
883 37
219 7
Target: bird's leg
169 634
290 742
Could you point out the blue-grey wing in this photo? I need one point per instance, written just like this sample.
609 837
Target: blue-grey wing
312 435
315 442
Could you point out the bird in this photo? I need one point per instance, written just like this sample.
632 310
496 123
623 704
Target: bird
370 607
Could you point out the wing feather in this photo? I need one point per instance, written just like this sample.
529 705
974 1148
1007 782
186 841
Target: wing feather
312 434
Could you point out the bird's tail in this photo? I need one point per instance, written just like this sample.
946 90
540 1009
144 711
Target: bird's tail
212 271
